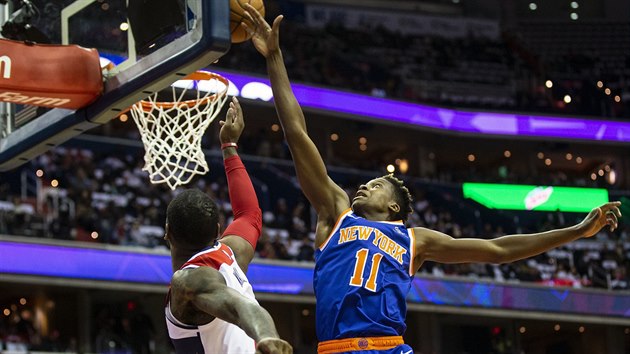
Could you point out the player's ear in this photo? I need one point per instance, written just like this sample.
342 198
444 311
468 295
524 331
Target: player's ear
394 207
218 237
167 235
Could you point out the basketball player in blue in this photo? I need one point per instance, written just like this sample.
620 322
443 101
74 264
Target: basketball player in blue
366 258
211 307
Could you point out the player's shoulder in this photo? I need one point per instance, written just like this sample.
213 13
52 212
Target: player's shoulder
195 280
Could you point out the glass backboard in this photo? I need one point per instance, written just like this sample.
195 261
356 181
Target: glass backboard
152 44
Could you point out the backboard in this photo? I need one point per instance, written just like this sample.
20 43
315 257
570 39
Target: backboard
153 43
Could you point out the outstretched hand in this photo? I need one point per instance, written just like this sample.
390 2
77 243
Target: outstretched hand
273 346
606 214
266 39
233 125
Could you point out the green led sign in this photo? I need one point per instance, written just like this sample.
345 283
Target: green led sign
540 198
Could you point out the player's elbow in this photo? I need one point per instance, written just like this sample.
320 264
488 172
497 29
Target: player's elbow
498 255
254 218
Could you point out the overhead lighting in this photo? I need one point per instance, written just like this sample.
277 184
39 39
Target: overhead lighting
556 327
334 137
275 127
124 26
404 166
391 168
549 83
600 84
578 160
607 91
507 153
569 156
593 176
540 155
533 6
611 177
617 98
363 147
471 157
574 16
581 329
567 99
39 173
362 140
574 5
548 162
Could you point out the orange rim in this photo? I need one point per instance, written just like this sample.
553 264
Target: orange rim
147 106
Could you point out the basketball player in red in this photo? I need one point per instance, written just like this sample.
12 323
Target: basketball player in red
366 257
211 306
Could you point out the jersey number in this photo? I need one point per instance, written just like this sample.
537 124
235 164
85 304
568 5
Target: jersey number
359 267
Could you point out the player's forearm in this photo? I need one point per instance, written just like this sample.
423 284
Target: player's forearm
257 323
287 106
247 214
240 187
515 247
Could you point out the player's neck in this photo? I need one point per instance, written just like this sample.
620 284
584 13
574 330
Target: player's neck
373 215
178 258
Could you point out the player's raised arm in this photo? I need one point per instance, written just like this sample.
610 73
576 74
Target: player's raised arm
436 246
326 197
206 289
243 233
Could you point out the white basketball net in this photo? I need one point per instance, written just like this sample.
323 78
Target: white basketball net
172 131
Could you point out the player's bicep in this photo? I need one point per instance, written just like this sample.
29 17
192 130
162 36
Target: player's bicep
243 250
209 293
439 247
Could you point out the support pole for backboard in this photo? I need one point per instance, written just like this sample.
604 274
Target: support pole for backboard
7 118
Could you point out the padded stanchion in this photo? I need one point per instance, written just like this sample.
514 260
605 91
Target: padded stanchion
56 76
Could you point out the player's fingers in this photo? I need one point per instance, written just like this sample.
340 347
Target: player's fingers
236 104
611 219
276 23
221 122
250 18
612 207
255 15
230 115
248 29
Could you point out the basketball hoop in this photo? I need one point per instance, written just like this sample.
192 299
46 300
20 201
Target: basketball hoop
172 130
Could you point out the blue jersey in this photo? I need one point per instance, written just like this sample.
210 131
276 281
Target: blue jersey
363 272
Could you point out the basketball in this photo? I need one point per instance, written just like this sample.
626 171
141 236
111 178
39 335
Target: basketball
237 15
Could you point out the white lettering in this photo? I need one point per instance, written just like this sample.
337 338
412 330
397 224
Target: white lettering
15 97
5 66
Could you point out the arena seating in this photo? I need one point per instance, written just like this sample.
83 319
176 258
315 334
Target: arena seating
115 205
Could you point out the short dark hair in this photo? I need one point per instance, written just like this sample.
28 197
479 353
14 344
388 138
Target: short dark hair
192 219
402 197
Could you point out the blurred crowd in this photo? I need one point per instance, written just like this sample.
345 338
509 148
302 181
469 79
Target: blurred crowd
119 328
106 198
513 72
